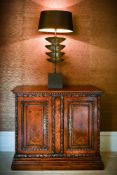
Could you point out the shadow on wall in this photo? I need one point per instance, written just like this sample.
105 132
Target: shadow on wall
107 112
95 23
20 21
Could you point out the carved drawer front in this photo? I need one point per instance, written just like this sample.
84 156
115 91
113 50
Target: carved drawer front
34 123
79 129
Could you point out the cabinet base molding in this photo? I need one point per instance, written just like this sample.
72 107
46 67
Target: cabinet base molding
57 164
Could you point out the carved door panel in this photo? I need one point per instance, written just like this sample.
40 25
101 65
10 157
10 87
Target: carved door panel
34 125
80 130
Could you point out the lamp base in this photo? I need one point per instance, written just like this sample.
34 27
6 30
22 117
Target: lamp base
55 81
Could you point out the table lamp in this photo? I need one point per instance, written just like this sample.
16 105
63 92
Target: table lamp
55 21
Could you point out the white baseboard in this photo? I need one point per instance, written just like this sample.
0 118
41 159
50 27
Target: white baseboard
108 141
7 141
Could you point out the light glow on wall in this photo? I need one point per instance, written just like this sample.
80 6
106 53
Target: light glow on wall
57 3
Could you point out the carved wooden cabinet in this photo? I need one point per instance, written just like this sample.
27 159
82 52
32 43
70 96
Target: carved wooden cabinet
57 129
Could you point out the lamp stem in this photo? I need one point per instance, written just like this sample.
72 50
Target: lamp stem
55 54
55 67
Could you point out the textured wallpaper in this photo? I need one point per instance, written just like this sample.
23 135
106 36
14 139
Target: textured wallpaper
91 52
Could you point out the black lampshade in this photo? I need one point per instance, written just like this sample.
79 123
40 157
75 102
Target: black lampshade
55 20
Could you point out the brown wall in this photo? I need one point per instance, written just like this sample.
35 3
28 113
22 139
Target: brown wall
91 52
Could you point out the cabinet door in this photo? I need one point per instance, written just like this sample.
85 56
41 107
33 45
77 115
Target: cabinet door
34 125
80 125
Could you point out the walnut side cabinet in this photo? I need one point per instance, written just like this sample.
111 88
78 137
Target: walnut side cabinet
57 129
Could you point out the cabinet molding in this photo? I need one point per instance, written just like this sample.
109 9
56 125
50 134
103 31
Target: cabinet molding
57 129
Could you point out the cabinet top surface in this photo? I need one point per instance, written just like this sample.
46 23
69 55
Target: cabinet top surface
35 89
